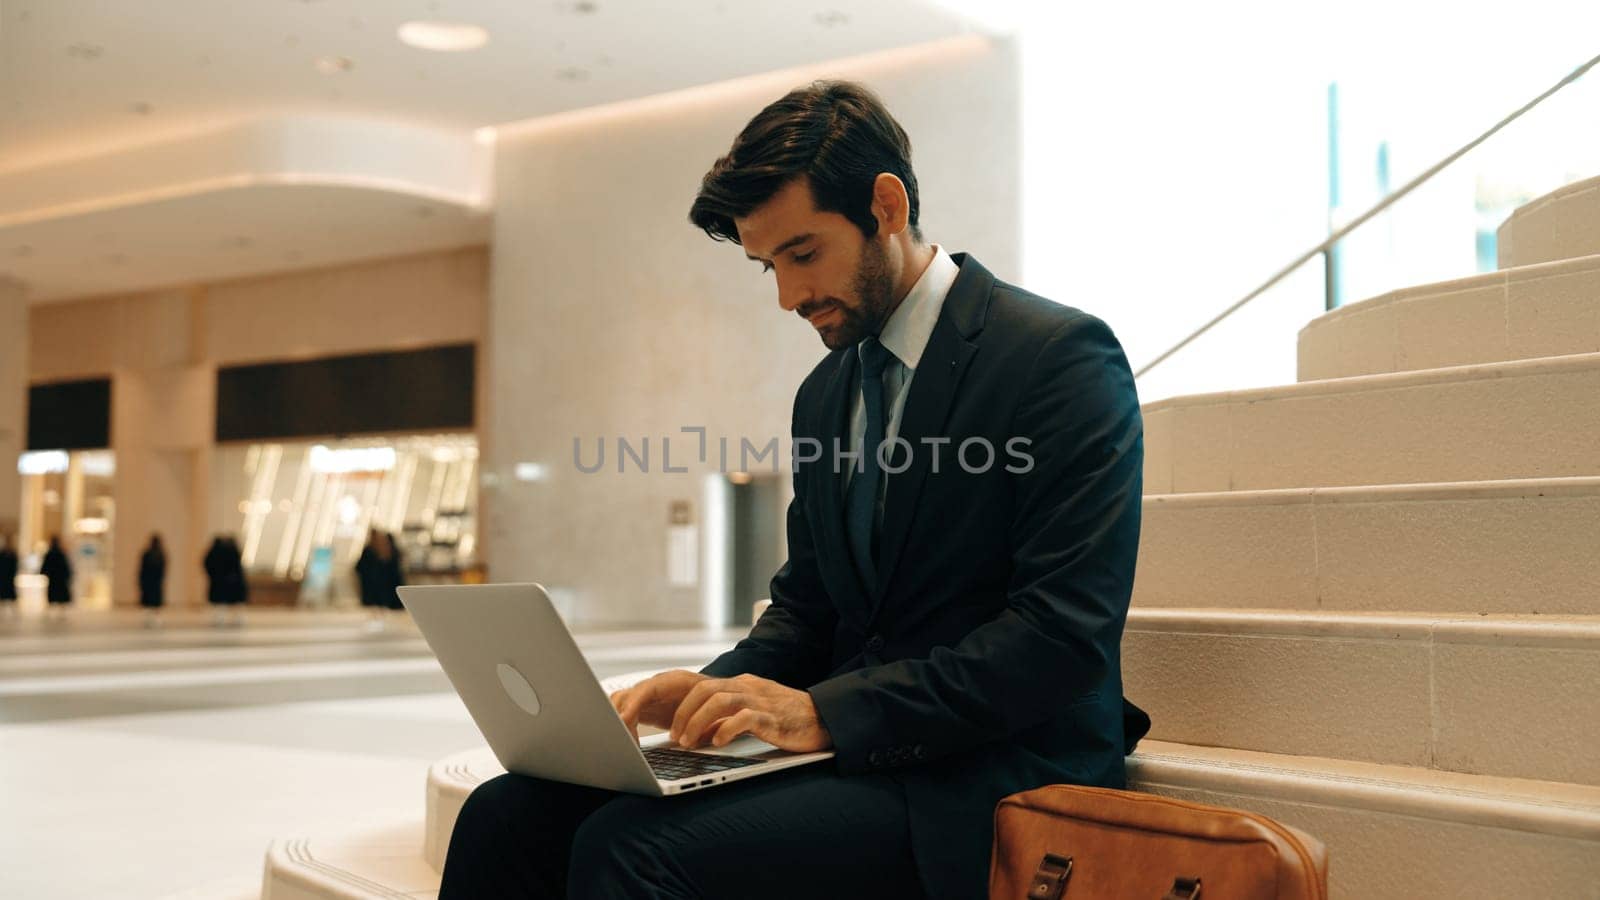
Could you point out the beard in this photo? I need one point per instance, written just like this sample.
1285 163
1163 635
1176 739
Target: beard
874 288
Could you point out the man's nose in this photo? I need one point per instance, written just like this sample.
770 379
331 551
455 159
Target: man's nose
793 293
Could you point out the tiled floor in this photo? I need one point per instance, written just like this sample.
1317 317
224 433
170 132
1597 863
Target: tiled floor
140 763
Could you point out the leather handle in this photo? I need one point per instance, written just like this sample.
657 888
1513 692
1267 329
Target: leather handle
1184 889
1050 880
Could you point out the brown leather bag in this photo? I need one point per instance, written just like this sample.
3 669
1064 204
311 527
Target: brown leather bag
1078 843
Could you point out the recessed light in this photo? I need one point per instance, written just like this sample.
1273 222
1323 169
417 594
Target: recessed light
333 65
443 36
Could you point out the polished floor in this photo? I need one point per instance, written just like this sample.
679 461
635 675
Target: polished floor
159 762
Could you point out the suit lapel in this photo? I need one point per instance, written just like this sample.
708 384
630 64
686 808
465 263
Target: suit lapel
950 349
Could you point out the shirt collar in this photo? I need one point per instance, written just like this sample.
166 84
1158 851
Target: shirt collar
907 331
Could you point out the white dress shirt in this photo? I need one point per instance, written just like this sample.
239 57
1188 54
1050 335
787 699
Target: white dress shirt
906 336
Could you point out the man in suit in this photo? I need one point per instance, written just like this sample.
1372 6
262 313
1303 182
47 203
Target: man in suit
961 555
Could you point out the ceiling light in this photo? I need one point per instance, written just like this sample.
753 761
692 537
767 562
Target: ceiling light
443 36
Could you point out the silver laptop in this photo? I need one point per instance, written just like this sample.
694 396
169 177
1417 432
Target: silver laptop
539 705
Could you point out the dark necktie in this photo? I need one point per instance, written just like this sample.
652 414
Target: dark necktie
861 498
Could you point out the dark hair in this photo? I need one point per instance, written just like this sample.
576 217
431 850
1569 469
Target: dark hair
837 134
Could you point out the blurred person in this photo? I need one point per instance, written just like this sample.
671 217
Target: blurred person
152 581
367 566
58 569
215 565
390 572
8 577
238 586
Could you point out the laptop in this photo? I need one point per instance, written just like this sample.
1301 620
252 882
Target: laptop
543 712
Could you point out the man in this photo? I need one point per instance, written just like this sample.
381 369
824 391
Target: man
949 618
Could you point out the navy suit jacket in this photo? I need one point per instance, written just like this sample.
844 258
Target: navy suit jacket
985 660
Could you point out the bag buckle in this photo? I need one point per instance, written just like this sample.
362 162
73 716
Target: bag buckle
1184 889
1050 881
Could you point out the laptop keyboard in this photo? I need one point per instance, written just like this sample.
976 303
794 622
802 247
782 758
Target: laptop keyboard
670 764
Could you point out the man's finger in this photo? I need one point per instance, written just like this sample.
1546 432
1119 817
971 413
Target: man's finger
690 704
745 721
629 717
717 706
627 705
641 695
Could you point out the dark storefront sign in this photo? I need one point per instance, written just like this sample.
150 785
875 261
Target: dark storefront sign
414 390
70 415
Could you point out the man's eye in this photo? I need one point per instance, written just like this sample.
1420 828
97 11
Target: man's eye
805 259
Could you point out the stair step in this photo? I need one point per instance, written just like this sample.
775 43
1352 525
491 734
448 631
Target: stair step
384 864
1398 832
1509 696
451 779
1562 224
1513 837
1530 312
1517 546
1522 419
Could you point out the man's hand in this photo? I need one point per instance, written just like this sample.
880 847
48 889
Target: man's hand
654 700
721 709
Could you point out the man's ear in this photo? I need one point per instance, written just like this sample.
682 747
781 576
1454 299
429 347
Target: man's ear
891 206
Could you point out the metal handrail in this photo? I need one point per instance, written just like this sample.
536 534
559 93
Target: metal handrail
1382 205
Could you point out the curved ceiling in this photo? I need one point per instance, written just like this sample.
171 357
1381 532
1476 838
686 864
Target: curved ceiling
152 144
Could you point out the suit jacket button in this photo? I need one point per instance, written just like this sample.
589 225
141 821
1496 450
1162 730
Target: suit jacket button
918 752
875 758
875 643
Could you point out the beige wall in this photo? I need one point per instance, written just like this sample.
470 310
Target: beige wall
13 399
611 315
414 301
162 351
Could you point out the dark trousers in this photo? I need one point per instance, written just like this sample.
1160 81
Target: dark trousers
807 833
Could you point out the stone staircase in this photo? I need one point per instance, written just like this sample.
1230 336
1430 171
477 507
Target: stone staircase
1367 604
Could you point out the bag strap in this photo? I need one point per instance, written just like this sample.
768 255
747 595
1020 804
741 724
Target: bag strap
1050 881
1184 889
